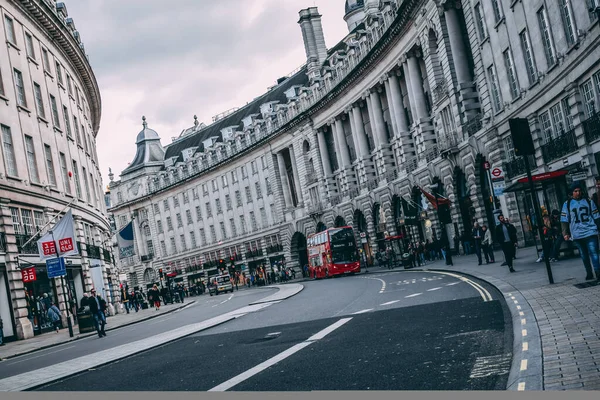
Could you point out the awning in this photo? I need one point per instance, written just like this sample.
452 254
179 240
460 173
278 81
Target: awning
522 184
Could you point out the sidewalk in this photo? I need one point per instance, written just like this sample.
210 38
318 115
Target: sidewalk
43 341
565 326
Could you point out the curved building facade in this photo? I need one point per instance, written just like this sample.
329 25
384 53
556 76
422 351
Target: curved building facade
50 110
416 98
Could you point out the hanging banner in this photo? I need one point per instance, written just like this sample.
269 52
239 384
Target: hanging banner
410 213
28 274
125 241
64 237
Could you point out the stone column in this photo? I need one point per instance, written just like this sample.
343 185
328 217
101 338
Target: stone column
295 174
342 145
386 83
396 99
411 98
358 132
417 88
372 120
378 117
457 45
285 185
24 327
324 154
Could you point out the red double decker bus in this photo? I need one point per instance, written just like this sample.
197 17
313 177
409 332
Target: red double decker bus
332 252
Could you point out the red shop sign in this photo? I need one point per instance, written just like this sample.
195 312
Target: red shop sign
28 275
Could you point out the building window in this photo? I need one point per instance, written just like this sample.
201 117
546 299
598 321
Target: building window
175 201
169 224
59 73
253 166
204 189
166 204
198 213
218 204
569 24
1 85
248 195
546 125
258 190
567 111
84 137
39 219
223 231
87 186
233 227
163 248
208 210
202 236
69 85
557 119
263 217
50 165
495 90
9 152
179 220
16 220
213 234
21 98
228 202
497 10
528 57
243 224
150 247
159 226
76 126
215 185
512 74
238 198
195 194
29 46
173 245
27 219
39 103
46 61
55 117
193 240
188 216
479 19
546 37
253 221
186 197
183 244
268 185
224 181
234 177
587 91
65 172
30 152
263 162
10 29
147 230
67 124
156 208
244 172
76 178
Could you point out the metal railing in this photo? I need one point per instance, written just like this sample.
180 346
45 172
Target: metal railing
473 125
448 142
431 154
516 166
2 242
276 248
411 165
29 248
559 147
93 251
107 256
591 127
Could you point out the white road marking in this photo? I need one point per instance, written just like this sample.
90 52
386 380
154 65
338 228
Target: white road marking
524 332
525 346
523 321
485 295
38 356
518 307
452 284
363 311
279 357
516 302
521 386
389 302
413 295
433 289
521 313
383 284
523 365
160 320
224 301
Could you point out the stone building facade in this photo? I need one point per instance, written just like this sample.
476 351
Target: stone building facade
417 96
50 110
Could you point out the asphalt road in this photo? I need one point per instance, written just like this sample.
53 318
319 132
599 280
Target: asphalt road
204 308
409 330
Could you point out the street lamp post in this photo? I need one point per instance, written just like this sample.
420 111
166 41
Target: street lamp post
445 241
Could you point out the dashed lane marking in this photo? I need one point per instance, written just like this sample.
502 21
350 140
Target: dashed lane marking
523 365
523 321
452 284
413 295
363 311
525 346
433 289
521 386
389 302
524 332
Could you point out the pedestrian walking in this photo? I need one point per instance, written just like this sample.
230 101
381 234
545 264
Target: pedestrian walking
559 239
154 297
579 217
181 292
54 317
548 236
486 245
125 298
97 308
477 238
506 235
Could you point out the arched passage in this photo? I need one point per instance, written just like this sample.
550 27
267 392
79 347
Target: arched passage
298 250
321 227
149 275
340 221
361 228
379 223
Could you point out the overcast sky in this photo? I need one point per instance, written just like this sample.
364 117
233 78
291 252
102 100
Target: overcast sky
169 60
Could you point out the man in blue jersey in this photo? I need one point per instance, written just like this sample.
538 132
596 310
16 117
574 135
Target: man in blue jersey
578 219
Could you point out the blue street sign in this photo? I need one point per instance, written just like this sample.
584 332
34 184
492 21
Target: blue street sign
56 267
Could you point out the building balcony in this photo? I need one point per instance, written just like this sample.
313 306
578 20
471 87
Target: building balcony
473 125
93 251
315 208
516 166
29 248
254 253
431 154
147 258
411 165
591 127
440 91
448 142
559 147
276 248
107 256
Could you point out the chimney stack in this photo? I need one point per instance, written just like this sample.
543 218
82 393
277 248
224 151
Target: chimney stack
314 40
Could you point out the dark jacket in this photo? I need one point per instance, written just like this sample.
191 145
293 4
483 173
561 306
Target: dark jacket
512 233
94 306
477 232
153 295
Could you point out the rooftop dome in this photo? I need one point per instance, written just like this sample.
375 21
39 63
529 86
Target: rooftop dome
353 5
146 133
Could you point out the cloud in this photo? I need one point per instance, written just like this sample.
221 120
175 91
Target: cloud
171 60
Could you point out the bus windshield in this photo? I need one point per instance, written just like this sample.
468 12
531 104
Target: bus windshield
343 247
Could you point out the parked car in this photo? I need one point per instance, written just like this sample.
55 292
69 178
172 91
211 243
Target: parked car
221 284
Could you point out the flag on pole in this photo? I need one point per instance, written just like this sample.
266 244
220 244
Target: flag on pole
440 200
125 241
64 238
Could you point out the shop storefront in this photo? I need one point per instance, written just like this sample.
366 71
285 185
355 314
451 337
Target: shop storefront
40 294
6 312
